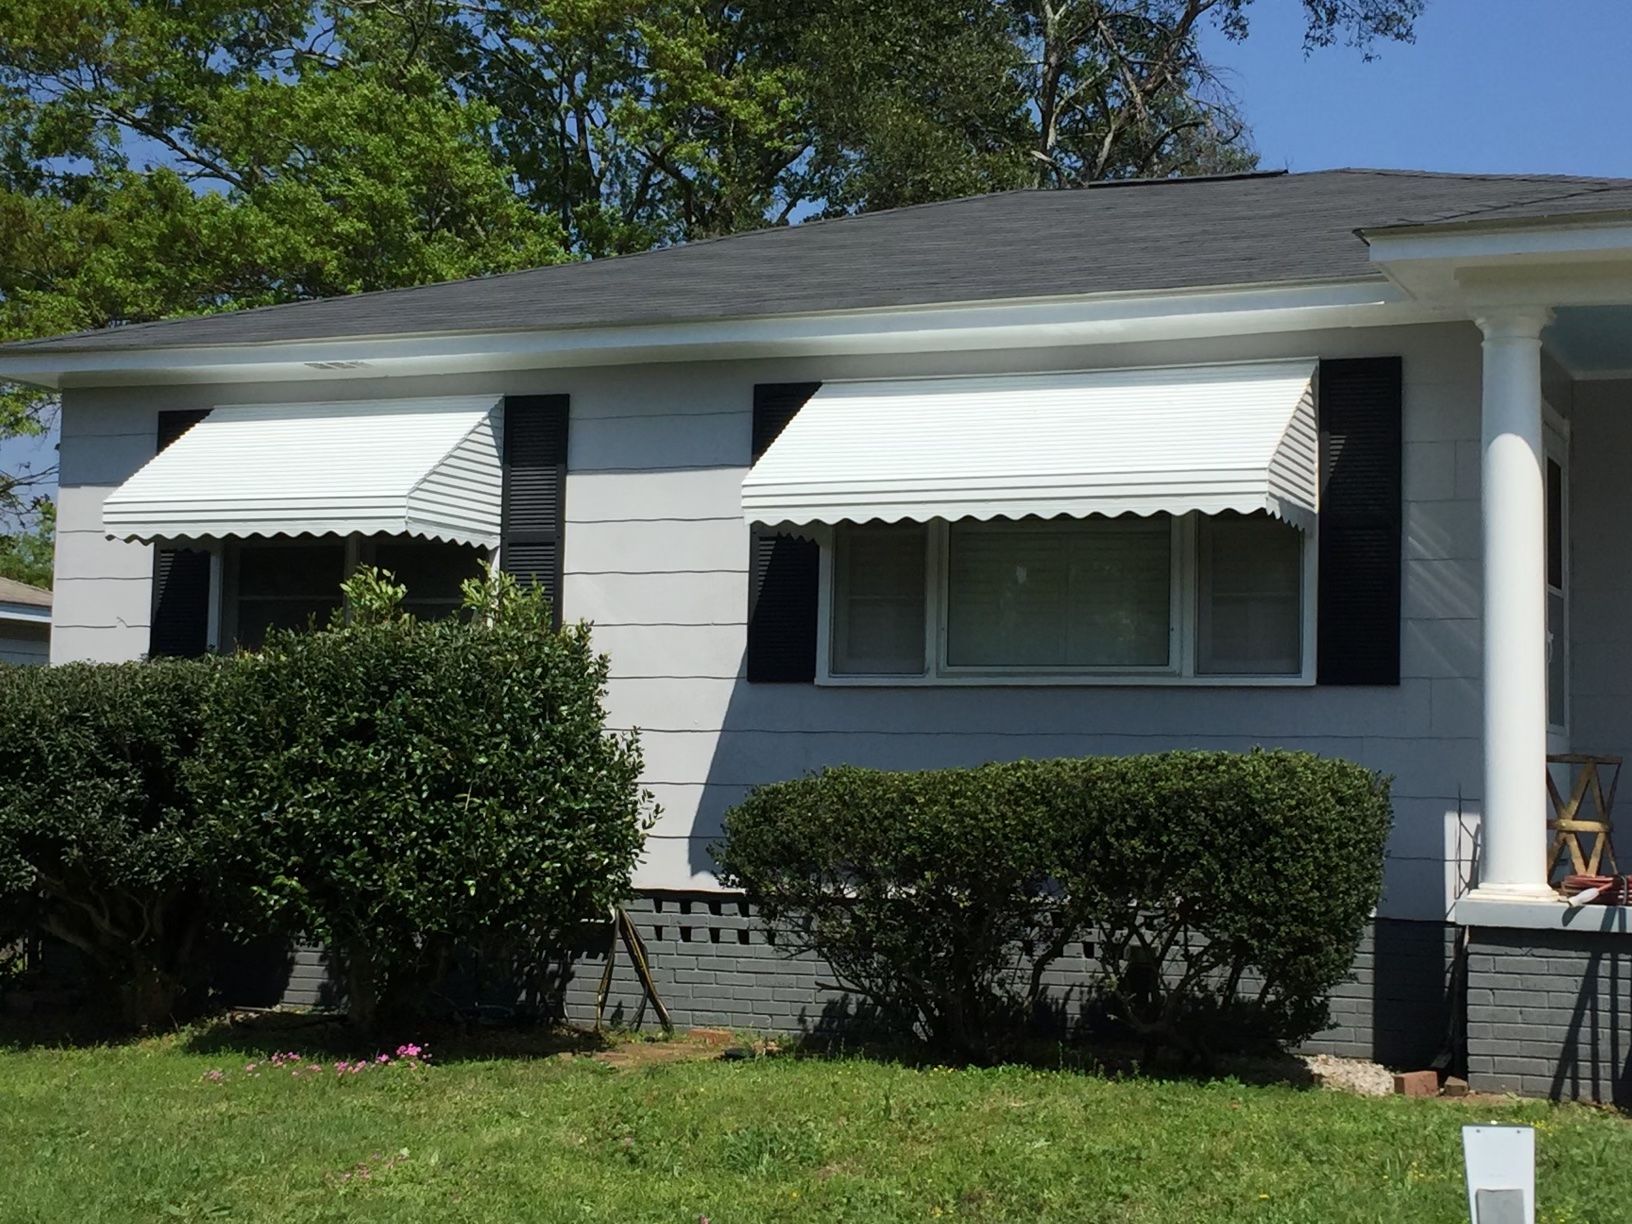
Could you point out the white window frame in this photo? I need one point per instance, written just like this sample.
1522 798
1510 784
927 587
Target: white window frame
1180 669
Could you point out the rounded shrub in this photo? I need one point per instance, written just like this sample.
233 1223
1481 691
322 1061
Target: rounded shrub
399 789
100 834
1225 893
919 890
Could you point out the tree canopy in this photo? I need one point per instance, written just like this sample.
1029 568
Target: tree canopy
159 159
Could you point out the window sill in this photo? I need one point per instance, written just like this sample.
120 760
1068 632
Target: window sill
1032 681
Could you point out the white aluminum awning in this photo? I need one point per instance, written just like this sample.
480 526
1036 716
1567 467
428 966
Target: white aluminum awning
424 467
1203 438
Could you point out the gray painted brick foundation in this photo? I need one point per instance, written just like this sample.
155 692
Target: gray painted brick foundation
713 966
1550 1014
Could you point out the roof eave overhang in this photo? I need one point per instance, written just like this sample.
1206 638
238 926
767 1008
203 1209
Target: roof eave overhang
1466 266
1021 323
32 614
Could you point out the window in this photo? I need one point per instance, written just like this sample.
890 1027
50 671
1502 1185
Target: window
1066 594
1157 599
878 577
285 584
432 570
1250 605
290 584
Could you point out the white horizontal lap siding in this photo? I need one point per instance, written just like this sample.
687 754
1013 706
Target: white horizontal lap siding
675 632
658 455
26 644
106 437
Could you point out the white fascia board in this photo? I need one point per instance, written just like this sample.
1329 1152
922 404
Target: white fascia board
1467 268
28 613
1547 243
1024 323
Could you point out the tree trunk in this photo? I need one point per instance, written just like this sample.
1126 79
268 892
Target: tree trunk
148 996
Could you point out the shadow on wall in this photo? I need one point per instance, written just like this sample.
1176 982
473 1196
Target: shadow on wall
1597 1046
1398 1006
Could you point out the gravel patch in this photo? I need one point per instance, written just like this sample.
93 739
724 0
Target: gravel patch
1354 1075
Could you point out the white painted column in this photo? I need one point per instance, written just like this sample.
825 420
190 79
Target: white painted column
1513 496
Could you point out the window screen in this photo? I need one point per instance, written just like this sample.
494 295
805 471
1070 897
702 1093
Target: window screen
1080 593
878 605
432 570
1250 582
286 585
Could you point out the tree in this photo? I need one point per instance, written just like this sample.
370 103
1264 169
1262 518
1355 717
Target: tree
159 159
934 98
164 159
26 554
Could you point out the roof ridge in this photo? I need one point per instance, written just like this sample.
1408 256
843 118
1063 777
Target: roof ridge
1472 213
1483 176
1177 179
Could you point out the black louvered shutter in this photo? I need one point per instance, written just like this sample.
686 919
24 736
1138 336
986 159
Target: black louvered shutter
180 622
1360 512
533 517
784 572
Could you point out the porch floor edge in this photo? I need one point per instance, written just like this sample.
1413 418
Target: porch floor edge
1541 915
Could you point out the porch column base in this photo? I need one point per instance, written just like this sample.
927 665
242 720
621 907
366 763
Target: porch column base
1514 892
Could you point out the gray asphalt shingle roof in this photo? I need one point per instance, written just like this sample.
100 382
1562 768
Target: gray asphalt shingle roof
1108 238
14 592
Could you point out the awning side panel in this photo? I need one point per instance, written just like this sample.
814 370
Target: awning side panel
460 498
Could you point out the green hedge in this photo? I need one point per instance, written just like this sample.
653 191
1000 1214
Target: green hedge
100 833
397 788
390 786
917 889
1224 893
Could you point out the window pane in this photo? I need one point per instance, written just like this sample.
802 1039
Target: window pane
431 570
1555 525
1251 582
878 600
286 585
1558 661
256 616
271 569
1083 593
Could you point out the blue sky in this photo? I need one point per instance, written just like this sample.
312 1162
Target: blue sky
1500 86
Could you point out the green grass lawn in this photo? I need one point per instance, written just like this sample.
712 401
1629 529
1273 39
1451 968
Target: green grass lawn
140 1132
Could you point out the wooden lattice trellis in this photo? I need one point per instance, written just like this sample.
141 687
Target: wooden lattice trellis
1568 821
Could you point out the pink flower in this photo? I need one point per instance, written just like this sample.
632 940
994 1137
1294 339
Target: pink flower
382 1058
408 1051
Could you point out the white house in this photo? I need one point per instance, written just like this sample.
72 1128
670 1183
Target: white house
25 622
1331 461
